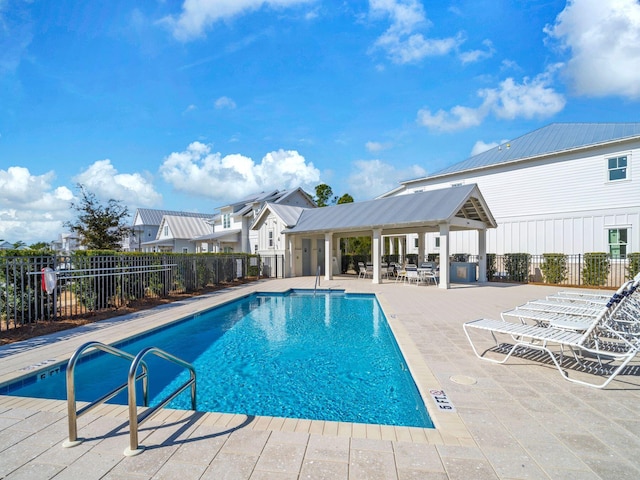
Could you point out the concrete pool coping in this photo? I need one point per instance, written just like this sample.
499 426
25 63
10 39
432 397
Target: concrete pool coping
519 420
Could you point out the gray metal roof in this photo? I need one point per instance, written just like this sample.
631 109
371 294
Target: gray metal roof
422 209
552 139
151 216
227 235
187 227
288 214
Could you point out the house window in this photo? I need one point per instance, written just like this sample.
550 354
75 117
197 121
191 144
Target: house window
617 167
618 242
165 231
185 250
228 250
415 243
437 242
226 220
270 239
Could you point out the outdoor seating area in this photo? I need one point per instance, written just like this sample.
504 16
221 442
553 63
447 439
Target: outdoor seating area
600 339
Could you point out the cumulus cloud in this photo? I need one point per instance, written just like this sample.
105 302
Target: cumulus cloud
603 41
198 15
31 208
370 178
402 40
199 171
531 98
225 102
103 180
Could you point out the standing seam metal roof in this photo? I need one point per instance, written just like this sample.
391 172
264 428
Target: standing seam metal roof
423 208
552 139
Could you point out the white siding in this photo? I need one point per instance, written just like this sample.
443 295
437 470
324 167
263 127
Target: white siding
560 204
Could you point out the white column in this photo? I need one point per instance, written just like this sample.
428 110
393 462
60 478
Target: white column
328 253
292 257
376 248
421 244
444 256
482 255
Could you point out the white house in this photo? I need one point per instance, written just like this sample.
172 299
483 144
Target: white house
145 226
232 223
176 234
565 188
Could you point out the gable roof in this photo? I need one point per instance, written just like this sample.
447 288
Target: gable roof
552 139
454 205
150 216
184 227
289 214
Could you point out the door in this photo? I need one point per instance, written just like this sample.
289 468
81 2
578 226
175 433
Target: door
320 257
306 256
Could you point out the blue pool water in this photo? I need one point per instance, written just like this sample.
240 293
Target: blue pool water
329 356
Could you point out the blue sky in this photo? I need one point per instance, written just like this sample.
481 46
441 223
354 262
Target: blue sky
190 105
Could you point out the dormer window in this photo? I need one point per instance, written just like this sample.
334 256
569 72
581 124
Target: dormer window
226 220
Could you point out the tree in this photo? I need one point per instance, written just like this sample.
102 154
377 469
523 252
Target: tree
19 244
324 195
39 246
346 198
99 227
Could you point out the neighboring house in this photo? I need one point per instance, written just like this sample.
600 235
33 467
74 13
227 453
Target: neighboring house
67 243
146 224
176 234
232 223
6 246
565 188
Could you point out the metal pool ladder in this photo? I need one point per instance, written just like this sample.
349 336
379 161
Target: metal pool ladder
134 419
317 280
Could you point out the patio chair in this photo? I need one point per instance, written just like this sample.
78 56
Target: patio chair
362 270
412 275
612 339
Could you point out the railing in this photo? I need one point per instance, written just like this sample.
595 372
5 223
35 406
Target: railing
134 419
133 377
73 414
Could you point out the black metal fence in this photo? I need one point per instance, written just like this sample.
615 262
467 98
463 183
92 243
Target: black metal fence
48 287
272 266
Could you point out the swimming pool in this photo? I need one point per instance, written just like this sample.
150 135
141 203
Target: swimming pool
328 356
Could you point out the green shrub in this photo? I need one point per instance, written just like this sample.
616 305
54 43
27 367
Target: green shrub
554 267
634 265
491 266
596 268
517 267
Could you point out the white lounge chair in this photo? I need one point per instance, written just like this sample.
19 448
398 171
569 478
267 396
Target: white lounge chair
612 339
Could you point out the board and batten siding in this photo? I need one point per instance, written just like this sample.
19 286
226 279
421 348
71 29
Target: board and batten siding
562 203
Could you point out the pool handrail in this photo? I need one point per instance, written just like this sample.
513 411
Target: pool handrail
73 414
135 420
315 287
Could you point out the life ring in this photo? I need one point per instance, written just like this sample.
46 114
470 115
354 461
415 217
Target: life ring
49 280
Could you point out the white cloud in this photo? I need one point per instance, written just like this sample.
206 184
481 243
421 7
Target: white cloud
370 178
377 146
198 171
531 98
401 41
198 15
481 146
225 102
31 209
473 56
131 189
603 39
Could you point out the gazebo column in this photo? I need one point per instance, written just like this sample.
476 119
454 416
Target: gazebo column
328 253
337 253
421 244
376 248
482 255
444 256
290 265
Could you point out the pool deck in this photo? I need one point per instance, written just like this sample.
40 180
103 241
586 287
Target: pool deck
514 421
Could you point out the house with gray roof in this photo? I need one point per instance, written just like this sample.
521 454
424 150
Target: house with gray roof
565 188
146 224
176 233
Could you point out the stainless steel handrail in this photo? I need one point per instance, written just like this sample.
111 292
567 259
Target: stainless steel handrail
134 420
71 388
317 279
